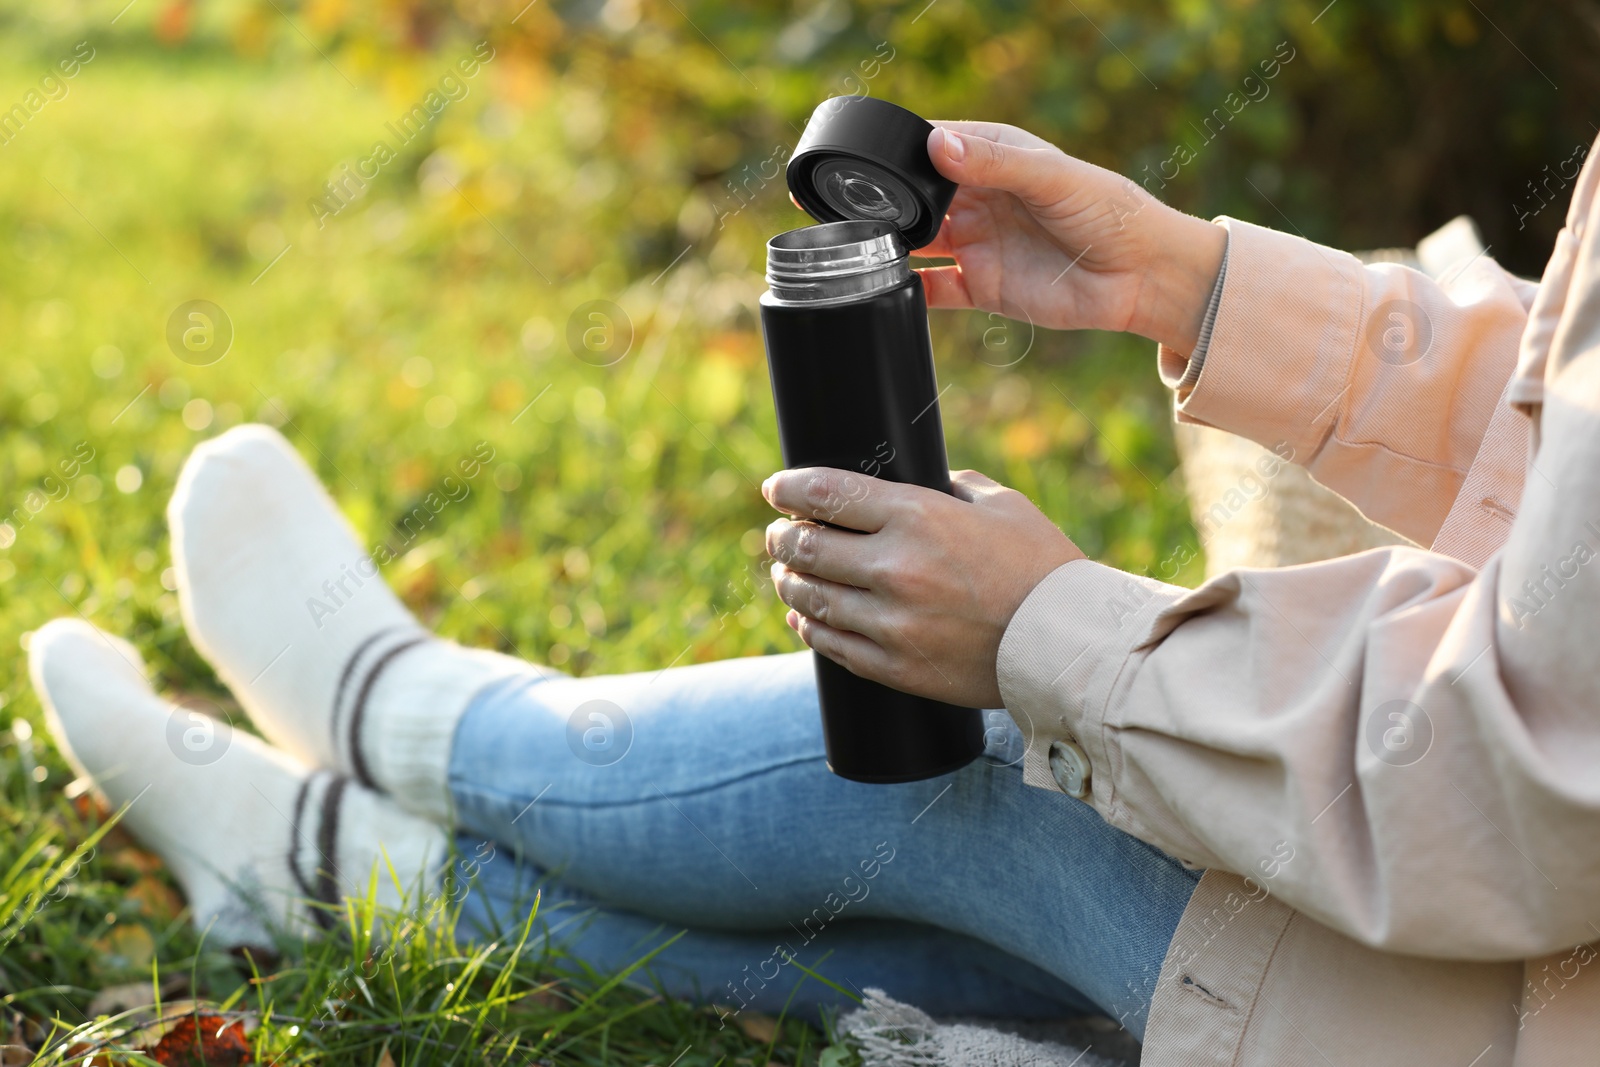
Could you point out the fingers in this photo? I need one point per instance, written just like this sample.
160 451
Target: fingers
837 555
856 654
840 606
994 131
842 498
1039 174
946 287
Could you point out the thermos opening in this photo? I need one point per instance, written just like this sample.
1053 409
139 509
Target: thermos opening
835 262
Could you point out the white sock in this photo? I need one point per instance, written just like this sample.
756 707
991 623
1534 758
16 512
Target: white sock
251 834
279 595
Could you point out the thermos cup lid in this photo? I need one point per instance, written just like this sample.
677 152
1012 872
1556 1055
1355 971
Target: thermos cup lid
866 159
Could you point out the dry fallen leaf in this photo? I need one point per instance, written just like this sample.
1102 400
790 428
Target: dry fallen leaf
88 806
757 1027
133 859
15 1055
152 1030
384 1059
202 1041
156 899
116 999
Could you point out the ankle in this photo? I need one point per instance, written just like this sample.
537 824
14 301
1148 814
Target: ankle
402 725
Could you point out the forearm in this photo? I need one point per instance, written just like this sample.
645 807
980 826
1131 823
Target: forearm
1186 255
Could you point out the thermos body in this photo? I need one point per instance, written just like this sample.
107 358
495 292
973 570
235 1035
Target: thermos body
854 387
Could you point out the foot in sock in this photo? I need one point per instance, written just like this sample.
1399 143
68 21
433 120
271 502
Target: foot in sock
278 594
251 834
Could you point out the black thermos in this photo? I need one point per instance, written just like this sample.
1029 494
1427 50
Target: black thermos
846 329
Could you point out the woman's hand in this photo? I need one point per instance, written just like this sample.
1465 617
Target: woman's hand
1037 234
920 599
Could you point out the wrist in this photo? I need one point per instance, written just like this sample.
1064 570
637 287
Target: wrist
1186 256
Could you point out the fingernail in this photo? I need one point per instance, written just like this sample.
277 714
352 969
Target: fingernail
953 146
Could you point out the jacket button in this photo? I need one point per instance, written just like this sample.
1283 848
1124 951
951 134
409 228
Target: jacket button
1070 767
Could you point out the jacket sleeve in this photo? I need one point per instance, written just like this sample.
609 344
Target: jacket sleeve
1399 745
1378 379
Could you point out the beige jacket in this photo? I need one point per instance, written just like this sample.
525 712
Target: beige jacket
1389 763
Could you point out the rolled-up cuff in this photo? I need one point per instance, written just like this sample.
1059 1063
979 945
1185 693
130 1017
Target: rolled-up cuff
1180 373
1277 359
1061 656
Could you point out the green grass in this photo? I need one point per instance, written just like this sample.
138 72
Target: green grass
616 528
389 984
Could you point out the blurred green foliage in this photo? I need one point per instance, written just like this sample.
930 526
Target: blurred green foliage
628 150
1389 119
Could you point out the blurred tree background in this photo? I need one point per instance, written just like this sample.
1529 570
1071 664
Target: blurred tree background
1388 120
395 310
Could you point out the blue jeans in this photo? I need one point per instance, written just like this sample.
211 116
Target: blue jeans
697 798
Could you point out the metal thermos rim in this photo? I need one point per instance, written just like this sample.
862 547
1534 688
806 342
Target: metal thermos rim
835 262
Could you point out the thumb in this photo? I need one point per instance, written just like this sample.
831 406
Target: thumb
1037 175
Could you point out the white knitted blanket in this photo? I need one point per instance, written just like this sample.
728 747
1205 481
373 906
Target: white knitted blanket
888 1033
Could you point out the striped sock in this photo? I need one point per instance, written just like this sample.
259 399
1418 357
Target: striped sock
259 842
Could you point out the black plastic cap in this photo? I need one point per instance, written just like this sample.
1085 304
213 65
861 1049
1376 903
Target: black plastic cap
867 159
